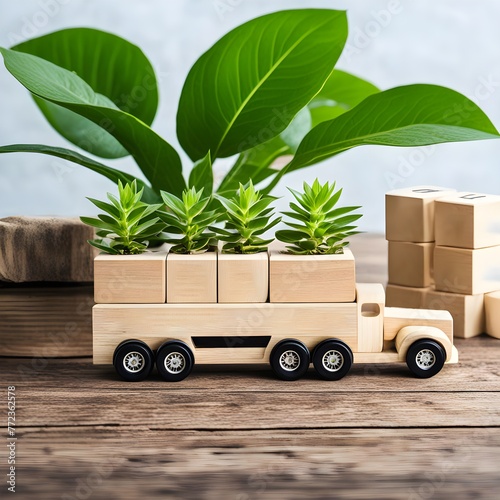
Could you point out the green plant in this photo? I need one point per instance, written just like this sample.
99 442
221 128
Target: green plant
247 217
321 228
128 224
266 89
190 218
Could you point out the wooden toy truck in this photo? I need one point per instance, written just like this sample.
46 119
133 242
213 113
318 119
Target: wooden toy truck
289 336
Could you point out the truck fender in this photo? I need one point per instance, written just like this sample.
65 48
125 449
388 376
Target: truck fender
409 334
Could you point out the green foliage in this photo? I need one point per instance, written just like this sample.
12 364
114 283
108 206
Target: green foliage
157 159
190 218
247 217
221 104
117 69
128 224
267 89
321 228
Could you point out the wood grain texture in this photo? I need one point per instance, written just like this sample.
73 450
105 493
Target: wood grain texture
405 296
409 213
242 278
51 321
131 279
461 270
192 278
396 318
236 432
312 278
156 323
492 313
370 298
468 311
468 220
411 264
261 464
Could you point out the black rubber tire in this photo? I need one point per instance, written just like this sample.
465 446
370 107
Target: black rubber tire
303 356
344 354
185 356
416 367
146 356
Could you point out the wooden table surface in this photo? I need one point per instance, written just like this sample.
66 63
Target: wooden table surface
238 433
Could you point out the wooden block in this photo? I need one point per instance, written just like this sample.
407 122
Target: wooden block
192 278
405 296
396 318
460 270
130 279
492 311
46 321
311 323
409 213
242 278
370 298
45 249
467 311
312 278
468 220
411 264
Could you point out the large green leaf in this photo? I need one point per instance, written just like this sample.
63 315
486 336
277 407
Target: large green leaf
149 196
202 175
248 87
412 115
159 162
341 92
113 67
254 164
81 131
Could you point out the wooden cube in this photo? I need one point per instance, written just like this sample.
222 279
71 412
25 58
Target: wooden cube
409 213
405 296
467 311
312 278
130 279
242 278
411 264
192 279
492 312
460 270
468 220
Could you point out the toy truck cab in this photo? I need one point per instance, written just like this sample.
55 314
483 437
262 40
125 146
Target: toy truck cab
135 337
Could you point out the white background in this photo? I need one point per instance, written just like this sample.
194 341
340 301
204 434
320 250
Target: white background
447 42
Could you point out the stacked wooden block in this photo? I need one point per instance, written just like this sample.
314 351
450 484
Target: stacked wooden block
158 277
444 253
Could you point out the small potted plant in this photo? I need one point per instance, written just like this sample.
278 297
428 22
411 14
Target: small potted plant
243 264
317 266
192 260
127 271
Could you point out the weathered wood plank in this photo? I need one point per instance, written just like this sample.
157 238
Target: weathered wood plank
477 370
46 322
215 410
131 463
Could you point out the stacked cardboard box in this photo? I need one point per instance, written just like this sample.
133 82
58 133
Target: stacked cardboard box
444 253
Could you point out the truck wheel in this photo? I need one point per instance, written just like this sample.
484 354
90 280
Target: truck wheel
174 360
290 359
425 358
332 359
133 360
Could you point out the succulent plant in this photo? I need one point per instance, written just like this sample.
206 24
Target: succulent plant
189 217
321 228
247 217
128 224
